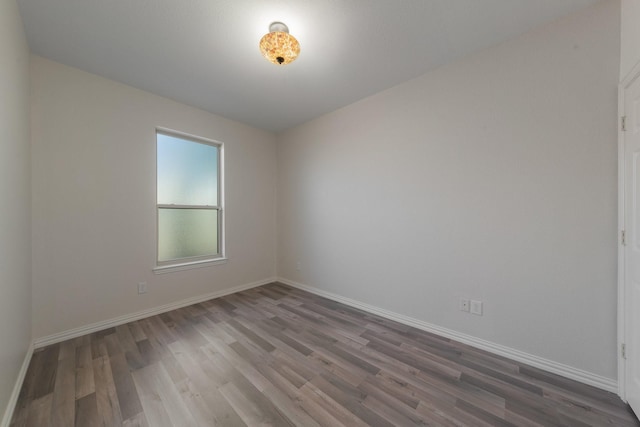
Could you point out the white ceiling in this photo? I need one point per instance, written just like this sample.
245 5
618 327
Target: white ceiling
205 52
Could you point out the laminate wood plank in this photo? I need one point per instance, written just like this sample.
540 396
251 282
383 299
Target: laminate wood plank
215 366
280 392
504 390
274 294
98 347
147 352
173 368
467 392
489 360
44 381
138 420
448 357
345 322
545 416
240 357
190 335
247 410
246 307
323 363
39 414
82 340
501 376
252 406
265 345
300 365
211 330
287 324
152 349
151 403
400 373
342 415
281 382
390 390
113 345
390 414
317 412
483 415
329 329
129 347
203 412
63 409
20 415
87 411
617 413
406 380
85 384
520 421
128 398
352 359
135 328
161 331
195 311
413 359
67 349
106 395
429 338
205 387
221 304
349 398
279 337
284 317
307 315
568 384
456 417
156 390
290 408
437 348
195 403
578 416
404 404
288 373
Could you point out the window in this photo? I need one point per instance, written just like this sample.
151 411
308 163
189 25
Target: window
189 199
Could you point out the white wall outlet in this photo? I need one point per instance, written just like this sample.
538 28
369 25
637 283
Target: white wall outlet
298 266
476 307
142 288
464 304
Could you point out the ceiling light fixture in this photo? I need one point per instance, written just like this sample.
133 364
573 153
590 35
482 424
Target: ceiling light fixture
278 46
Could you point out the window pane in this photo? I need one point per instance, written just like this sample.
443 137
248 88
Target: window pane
187 172
184 233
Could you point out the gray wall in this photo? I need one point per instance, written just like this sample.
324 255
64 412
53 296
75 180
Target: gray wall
492 178
94 180
15 199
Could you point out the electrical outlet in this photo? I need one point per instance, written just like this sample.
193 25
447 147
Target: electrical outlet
298 266
464 304
476 307
142 288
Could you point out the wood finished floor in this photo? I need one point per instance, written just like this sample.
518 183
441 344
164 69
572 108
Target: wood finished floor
275 355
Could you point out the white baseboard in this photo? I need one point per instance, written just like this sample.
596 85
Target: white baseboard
580 375
13 399
106 324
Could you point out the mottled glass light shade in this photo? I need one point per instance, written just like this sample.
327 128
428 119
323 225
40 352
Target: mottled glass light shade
279 46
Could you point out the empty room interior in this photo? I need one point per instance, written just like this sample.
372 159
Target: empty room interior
272 212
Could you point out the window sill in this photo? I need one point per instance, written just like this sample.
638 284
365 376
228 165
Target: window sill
162 269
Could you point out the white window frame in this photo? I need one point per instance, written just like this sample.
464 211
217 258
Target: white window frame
197 261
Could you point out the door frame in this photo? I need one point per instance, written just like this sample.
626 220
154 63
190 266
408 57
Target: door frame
622 364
